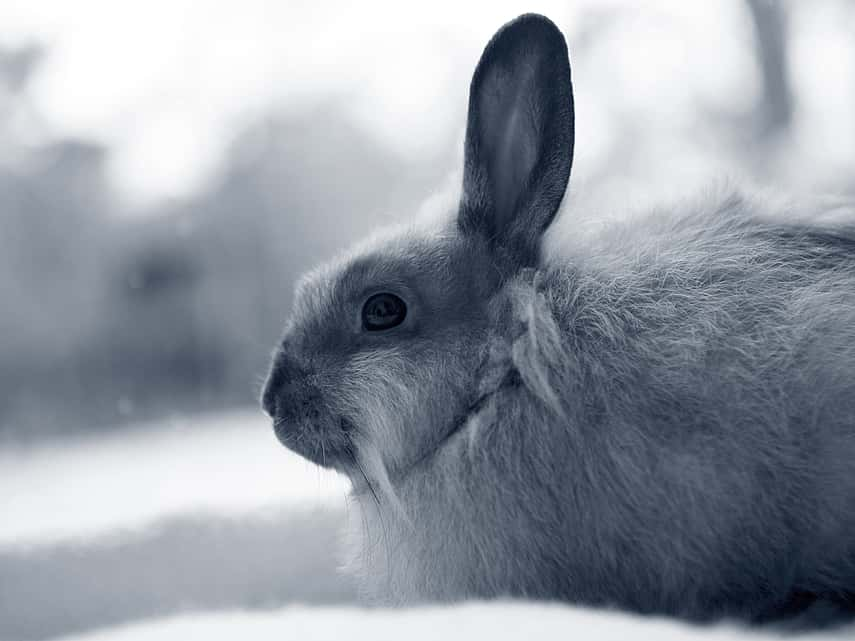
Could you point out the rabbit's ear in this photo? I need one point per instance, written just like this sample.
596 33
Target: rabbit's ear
519 137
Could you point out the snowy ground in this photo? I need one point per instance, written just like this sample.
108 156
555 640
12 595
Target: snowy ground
472 622
206 513
207 528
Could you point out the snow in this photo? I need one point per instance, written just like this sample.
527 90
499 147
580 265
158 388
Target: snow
227 464
495 621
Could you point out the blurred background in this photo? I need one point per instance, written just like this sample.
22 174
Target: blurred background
167 169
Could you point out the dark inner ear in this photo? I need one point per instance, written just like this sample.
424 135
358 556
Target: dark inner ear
519 137
509 136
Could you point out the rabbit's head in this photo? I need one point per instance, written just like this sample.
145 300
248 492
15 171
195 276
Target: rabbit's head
383 356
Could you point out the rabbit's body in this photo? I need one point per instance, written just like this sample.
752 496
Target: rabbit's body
661 416
676 419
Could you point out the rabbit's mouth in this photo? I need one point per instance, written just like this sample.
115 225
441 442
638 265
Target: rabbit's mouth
323 442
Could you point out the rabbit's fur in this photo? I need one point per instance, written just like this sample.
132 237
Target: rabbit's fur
661 417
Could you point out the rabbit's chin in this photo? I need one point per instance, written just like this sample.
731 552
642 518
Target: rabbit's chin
329 447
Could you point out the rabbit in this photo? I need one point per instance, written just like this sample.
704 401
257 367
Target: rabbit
659 417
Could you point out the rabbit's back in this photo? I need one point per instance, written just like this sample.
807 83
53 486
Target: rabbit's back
712 368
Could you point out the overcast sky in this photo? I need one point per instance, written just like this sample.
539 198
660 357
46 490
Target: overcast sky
166 82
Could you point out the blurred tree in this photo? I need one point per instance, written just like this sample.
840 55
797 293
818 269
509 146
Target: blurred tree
17 67
769 22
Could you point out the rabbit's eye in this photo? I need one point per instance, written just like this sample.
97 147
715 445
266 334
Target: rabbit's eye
383 311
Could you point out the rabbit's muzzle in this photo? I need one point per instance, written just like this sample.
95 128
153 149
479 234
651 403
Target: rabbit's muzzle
301 420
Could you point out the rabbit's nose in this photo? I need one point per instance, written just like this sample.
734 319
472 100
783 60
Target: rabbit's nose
284 372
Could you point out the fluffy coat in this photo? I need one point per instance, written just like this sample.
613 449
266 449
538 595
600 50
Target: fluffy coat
660 416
